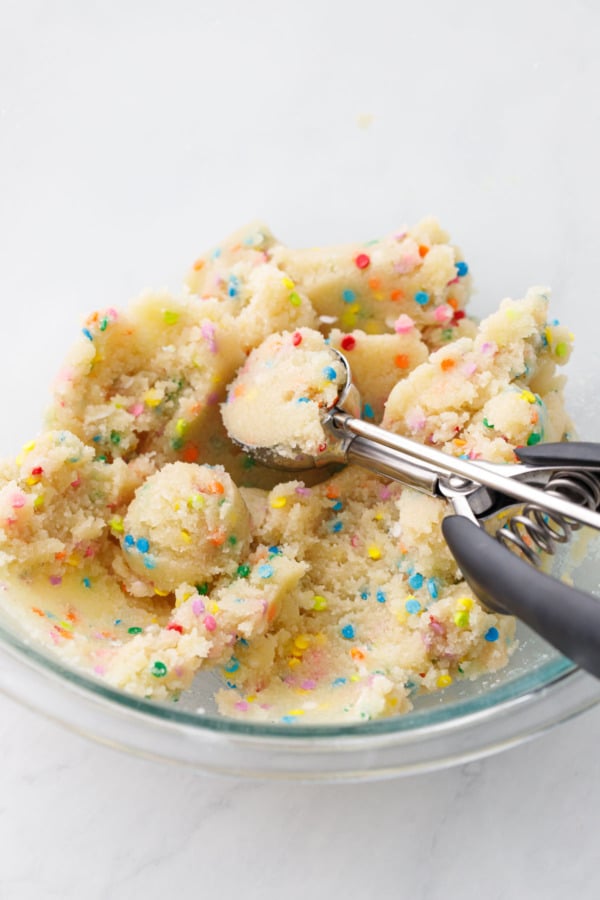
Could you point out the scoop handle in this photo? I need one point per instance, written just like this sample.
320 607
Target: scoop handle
578 453
566 617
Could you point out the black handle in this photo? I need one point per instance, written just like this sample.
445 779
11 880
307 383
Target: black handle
578 453
566 617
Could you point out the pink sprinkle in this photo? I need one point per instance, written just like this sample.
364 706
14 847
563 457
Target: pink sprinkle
355 540
100 670
308 685
210 623
416 421
208 333
136 410
385 493
179 671
443 314
437 627
17 501
403 324
265 706
198 607
89 551
400 236
469 368
488 347
242 705
76 483
303 491
112 314
454 281
55 579
407 263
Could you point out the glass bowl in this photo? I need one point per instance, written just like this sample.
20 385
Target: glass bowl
130 142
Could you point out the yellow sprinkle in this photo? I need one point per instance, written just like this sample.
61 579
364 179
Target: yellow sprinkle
348 320
216 379
548 334
180 427
154 620
196 501
461 619
319 603
278 502
116 524
288 283
355 678
170 317
177 506
73 560
302 642
527 395
38 502
214 608
374 552
444 680
164 594
67 625
464 603
295 299
29 447
392 701
33 479
293 662
296 712
250 698
186 595
378 517
152 398
402 617
185 536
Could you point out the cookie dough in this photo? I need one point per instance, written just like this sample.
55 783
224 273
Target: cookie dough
277 401
141 545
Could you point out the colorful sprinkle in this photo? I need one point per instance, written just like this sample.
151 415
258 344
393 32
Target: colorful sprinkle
491 635
416 581
319 603
278 502
380 597
374 552
135 629
422 298
143 545
461 268
533 439
266 570
210 623
170 317
368 411
159 670
412 606
330 373
348 632
348 342
444 681
88 334
362 261
296 339
242 571
348 296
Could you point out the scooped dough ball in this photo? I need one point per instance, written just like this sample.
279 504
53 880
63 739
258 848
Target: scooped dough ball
276 402
187 523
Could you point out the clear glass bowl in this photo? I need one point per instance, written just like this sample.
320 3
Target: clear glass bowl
331 125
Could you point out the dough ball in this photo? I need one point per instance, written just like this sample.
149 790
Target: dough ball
187 523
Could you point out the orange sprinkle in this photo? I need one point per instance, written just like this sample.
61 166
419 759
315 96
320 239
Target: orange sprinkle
447 364
397 294
190 453
374 283
453 302
37 611
402 361
355 653
215 487
199 264
332 492
423 251
272 612
60 555
458 442
217 538
71 616
534 417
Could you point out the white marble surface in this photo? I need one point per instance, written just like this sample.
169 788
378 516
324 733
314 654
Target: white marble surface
82 821
133 134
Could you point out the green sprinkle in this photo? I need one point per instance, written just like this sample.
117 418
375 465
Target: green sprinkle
295 299
243 571
232 540
249 462
561 349
115 437
159 670
447 334
202 588
101 458
135 630
104 324
533 439
177 444
170 317
488 424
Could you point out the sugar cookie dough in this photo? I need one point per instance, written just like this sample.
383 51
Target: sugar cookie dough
142 546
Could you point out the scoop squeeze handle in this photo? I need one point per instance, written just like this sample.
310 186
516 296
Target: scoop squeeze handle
567 618
578 453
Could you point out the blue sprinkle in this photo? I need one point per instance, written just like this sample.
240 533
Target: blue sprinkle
232 666
338 682
348 632
464 456
265 571
432 588
421 297
276 551
231 291
243 642
491 635
88 334
416 581
461 269
348 296
216 253
87 582
380 597
97 438
337 506
231 685
364 595
149 562
368 411
143 545
337 526
302 400
289 720
412 606
555 322
118 621
129 540
330 373
544 340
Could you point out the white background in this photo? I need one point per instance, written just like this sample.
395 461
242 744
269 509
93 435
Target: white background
133 135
